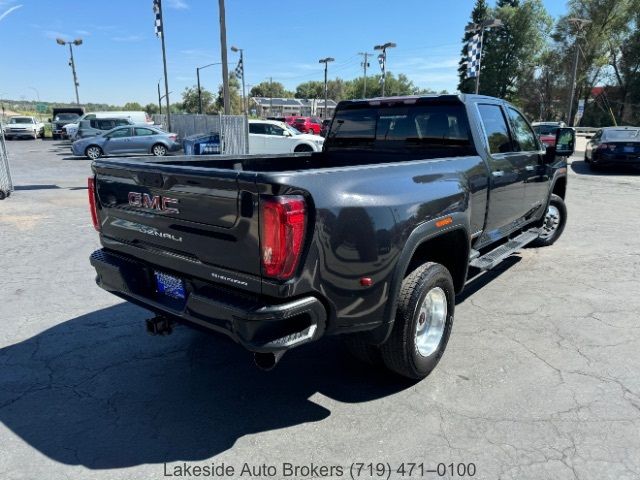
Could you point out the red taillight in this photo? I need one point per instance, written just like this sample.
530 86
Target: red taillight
91 183
283 221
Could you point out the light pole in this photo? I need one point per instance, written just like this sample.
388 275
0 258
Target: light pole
579 23
383 61
326 90
223 50
77 42
245 103
199 89
481 27
365 65
159 99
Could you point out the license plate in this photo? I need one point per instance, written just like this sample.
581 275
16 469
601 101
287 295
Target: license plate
629 149
169 286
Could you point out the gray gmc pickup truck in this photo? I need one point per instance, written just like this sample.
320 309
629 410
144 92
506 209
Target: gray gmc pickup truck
370 239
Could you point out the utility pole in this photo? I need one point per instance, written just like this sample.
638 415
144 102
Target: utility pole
365 64
383 61
578 23
159 99
225 66
326 90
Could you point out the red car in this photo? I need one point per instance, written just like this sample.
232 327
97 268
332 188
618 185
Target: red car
311 125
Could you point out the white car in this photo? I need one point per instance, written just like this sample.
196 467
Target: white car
71 129
22 126
271 136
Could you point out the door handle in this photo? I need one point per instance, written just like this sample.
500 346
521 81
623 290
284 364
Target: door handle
530 168
497 173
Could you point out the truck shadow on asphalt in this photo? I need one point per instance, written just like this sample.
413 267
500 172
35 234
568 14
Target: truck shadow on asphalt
97 391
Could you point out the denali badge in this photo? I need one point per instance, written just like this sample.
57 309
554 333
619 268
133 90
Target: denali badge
137 227
155 202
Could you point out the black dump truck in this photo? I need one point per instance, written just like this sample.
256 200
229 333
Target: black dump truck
61 117
370 239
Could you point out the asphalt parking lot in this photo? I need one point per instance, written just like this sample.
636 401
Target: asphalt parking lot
541 379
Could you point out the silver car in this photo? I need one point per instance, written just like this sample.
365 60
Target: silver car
127 139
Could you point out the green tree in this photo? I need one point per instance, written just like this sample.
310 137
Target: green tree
479 13
132 107
190 103
235 98
270 89
513 50
151 108
400 85
311 89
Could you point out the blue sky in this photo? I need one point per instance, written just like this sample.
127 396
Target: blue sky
121 58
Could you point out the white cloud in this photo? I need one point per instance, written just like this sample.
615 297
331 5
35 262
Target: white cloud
83 32
9 11
53 35
177 4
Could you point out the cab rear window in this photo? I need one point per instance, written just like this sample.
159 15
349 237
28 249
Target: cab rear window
429 130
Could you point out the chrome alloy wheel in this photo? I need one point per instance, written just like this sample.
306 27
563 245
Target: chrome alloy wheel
93 153
551 222
432 318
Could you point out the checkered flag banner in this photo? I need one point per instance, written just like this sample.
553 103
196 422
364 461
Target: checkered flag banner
474 50
157 10
381 61
239 70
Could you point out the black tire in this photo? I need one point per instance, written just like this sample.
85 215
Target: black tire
400 352
552 228
303 148
363 351
159 150
3 195
90 148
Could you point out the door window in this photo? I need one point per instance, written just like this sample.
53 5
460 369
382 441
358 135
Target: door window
105 124
495 126
120 133
275 130
142 132
524 138
257 128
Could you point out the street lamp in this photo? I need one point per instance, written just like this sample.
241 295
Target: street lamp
481 27
77 42
326 91
245 103
579 23
199 90
382 58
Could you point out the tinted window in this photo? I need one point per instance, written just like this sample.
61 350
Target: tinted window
621 135
496 129
525 140
122 132
274 130
121 121
419 130
141 132
259 128
105 124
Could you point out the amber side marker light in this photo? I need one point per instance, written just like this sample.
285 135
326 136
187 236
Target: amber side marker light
444 222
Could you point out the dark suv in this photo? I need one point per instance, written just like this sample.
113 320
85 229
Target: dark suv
96 126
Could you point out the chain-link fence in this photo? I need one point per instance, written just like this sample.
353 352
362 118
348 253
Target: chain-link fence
231 129
6 185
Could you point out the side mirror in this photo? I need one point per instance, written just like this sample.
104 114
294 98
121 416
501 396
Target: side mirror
565 142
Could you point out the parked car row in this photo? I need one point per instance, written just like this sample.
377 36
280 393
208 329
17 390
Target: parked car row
613 146
135 138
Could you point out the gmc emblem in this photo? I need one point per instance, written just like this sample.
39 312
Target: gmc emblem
155 202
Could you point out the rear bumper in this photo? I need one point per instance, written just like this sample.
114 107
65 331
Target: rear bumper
256 324
616 159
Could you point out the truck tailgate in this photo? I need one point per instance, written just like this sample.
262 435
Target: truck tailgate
206 220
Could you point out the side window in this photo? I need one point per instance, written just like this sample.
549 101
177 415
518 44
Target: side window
258 128
121 121
495 126
94 123
525 140
123 132
275 130
143 132
105 124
